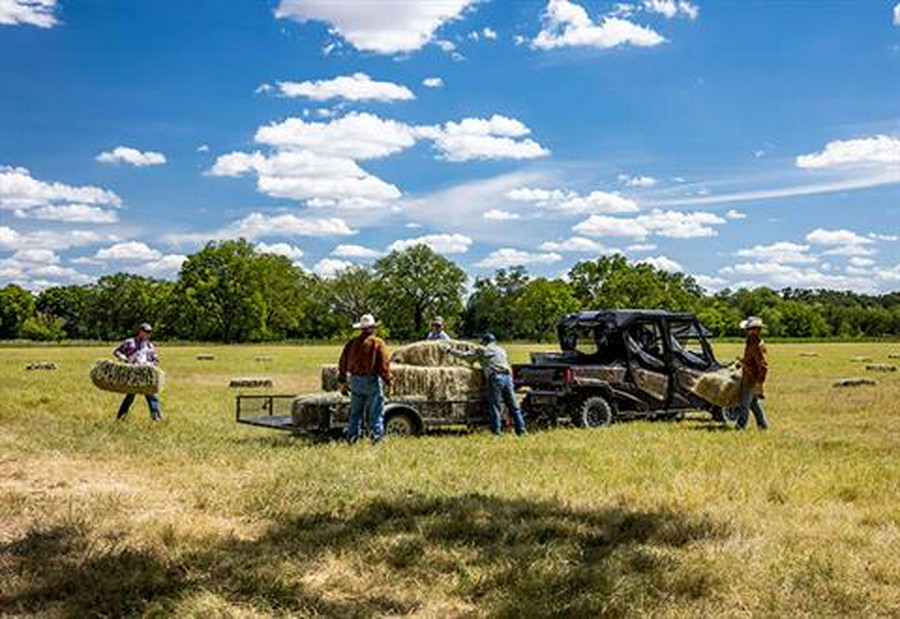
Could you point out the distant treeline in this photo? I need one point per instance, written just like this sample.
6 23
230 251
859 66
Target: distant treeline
230 292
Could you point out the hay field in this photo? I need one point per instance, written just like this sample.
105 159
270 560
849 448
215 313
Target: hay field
197 516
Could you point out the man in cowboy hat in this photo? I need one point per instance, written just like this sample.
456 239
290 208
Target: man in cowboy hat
367 361
754 368
437 333
140 351
498 376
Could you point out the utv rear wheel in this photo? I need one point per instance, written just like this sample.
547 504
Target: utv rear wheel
400 424
595 412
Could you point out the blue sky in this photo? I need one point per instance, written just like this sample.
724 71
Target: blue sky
745 143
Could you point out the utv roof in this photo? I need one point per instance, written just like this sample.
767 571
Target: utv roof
623 317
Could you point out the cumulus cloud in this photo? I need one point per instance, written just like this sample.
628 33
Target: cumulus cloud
52 239
781 252
257 226
566 24
897 15
662 263
129 251
673 224
131 156
642 182
877 151
778 275
509 257
672 8
384 28
820 236
292 252
497 137
433 82
596 202
38 13
356 87
354 251
37 268
575 244
166 267
636 247
441 243
329 267
735 214
19 191
500 215
710 282
72 213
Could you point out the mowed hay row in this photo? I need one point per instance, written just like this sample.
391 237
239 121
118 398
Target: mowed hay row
122 377
439 383
722 388
431 353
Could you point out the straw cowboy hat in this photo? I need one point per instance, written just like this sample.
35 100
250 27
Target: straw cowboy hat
752 322
366 321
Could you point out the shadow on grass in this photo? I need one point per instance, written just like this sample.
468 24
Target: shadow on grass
504 557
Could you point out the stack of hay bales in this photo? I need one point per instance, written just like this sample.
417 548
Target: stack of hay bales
425 369
722 387
120 377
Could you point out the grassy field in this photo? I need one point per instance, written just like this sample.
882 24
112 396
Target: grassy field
198 516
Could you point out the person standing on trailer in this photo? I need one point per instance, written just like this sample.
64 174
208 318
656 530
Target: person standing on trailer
437 333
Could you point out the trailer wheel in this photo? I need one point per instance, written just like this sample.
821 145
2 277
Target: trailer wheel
595 412
400 424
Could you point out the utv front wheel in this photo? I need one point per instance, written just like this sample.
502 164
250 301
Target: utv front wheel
595 412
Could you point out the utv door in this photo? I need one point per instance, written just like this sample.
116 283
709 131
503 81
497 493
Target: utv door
646 362
691 357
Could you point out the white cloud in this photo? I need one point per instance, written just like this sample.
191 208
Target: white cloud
130 251
735 214
489 33
781 252
642 182
710 282
604 225
500 215
356 87
850 250
672 8
72 213
574 244
287 250
166 267
497 137
36 256
778 275
433 82
445 45
329 267
566 24
596 202
19 191
673 224
257 225
38 268
662 263
203 148
441 243
884 237
125 154
897 15
31 12
820 236
508 257
880 151
642 247
381 27
860 262
11 239
354 251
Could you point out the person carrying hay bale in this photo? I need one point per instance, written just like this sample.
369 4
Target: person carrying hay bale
138 350
368 362
498 377
754 368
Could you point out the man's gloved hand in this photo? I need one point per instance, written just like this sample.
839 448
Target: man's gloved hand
121 357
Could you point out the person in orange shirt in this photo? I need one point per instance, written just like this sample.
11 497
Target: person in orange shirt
754 368
367 362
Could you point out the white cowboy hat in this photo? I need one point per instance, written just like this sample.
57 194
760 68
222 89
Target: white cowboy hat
366 321
752 322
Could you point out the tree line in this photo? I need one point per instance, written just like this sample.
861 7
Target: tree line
231 292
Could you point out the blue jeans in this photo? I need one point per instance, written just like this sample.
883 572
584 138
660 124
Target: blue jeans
152 402
366 396
750 402
500 391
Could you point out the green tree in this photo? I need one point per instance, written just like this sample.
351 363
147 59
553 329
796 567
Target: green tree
353 292
69 304
42 328
415 284
16 306
540 306
118 303
490 304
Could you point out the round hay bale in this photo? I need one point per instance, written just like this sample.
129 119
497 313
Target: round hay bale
43 365
881 367
120 377
330 378
431 354
251 382
854 382
206 357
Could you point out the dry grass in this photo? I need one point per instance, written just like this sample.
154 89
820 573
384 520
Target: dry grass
199 516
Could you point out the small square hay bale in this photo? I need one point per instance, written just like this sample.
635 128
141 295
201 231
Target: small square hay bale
122 377
330 378
722 387
881 367
206 357
431 353
251 382
436 383
894 355
809 354
861 359
854 382
264 358
43 365
304 408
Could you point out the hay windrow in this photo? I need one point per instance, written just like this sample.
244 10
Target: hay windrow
881 367
854 382
431 354
120 377
433 383
722 387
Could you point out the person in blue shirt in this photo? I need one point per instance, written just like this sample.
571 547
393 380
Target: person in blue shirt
437 333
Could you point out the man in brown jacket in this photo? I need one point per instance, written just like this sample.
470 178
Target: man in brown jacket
367 361
754 368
